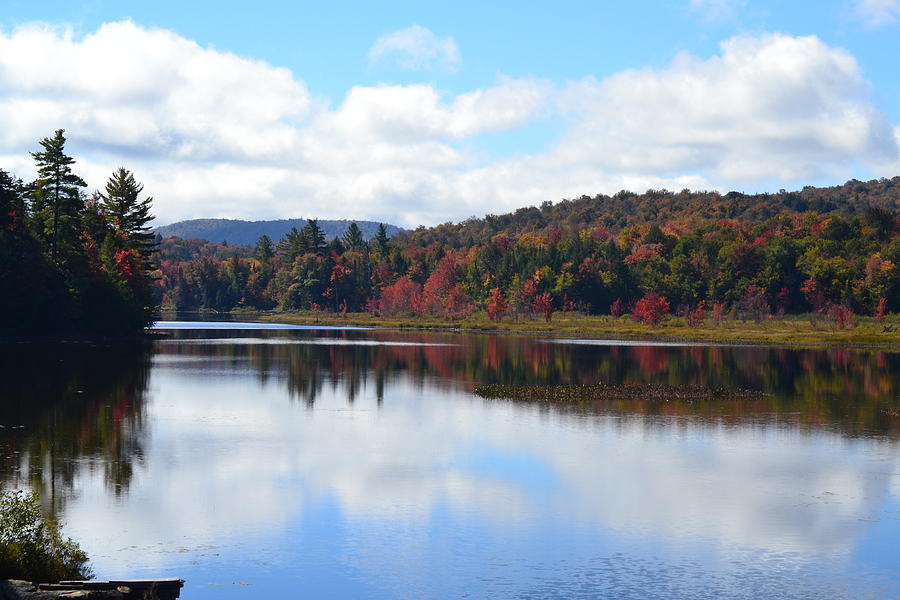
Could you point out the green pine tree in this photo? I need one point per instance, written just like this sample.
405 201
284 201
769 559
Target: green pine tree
57 198
128 215
315 237
265 250
293 244
381 241
353 238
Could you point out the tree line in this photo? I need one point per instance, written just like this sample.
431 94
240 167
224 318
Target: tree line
699 254
72 263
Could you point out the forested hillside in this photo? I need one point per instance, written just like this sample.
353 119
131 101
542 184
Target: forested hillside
246 233
832 251
676 211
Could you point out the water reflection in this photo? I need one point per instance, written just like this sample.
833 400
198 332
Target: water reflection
70 407
359 464
853 391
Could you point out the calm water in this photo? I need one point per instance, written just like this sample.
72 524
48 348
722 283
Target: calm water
328 463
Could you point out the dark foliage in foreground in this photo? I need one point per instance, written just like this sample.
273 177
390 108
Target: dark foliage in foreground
72 264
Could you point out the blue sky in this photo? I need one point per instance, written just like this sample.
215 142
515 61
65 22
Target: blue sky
416 112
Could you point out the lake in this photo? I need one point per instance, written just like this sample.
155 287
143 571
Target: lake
259 461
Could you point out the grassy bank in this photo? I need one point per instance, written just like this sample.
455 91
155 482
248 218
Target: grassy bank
792 330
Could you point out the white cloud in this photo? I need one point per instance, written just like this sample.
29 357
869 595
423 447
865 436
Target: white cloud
878 13
212 134
416 48
773 106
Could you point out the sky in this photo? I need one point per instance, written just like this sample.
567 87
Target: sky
419 113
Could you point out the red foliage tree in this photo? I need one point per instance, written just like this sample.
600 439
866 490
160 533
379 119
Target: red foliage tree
880 309
457 303
617 309
842 316
696 317
497 305
442 294
651 309
402 297
543 304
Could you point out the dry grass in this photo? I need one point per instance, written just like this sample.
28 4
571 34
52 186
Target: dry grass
792 330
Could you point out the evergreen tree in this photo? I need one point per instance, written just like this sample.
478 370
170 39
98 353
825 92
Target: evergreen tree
381 240
293 244
264 250
127 214
353 238
335 246
315 237
57 198
12 201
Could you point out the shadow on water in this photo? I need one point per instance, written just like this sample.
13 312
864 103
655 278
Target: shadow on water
68 407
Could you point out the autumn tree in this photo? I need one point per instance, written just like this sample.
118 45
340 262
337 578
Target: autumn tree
497 305
617 308
651 309
402 297
543 305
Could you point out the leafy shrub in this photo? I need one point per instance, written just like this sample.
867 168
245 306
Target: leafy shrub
651 309
842 316
880 309
617 308
696 317
32 547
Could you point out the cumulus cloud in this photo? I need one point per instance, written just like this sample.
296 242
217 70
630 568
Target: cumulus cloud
212 134
416 48
878 13
772 106
146 91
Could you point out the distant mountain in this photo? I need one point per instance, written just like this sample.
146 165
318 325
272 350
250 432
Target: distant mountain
246 233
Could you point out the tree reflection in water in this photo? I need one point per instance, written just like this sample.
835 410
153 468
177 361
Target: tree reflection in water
851 391
68 407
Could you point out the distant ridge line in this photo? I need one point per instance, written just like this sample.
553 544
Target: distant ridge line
246 233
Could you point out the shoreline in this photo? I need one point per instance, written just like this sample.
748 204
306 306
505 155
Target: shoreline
792 331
